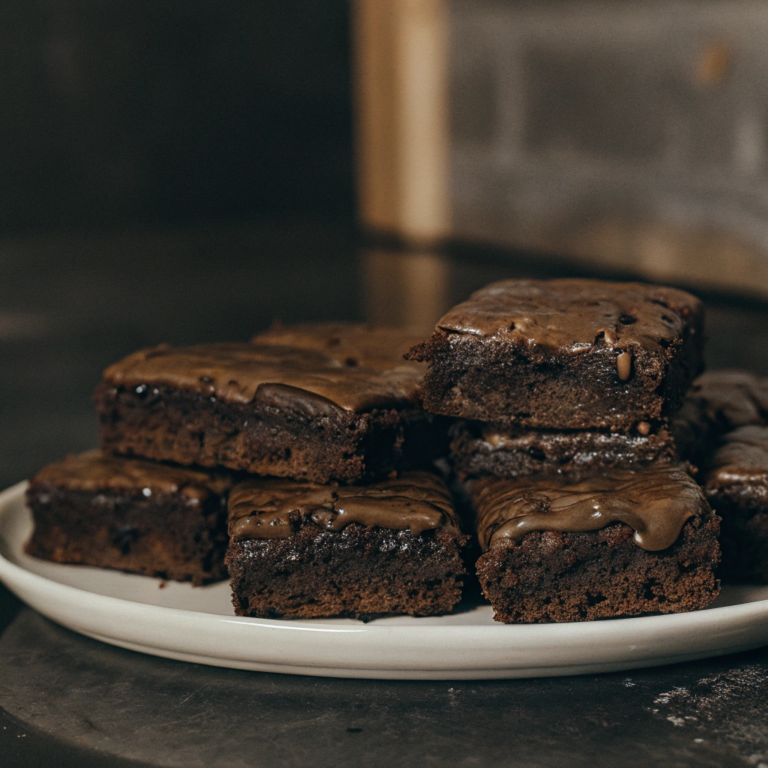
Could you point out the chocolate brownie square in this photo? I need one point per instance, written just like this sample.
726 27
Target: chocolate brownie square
131 515
269 409
611 543
479 449
304 550
736 485
727 399
718 402
565 354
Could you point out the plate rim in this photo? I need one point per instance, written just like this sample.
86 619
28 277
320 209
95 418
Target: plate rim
20 580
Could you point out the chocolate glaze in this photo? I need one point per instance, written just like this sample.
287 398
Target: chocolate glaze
95 472
286 398
573 315
347 343
311 380
269 508
742 460
655 503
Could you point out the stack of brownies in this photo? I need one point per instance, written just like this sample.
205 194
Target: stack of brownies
302 463
318 447
565 392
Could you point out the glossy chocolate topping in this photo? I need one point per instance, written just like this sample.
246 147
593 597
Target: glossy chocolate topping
742 459
573 314
730 398
240 373
655 503
349 344
97 472
265 508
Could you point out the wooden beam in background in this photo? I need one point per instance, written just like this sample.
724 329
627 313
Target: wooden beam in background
401 49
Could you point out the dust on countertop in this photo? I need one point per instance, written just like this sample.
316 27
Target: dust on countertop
728 705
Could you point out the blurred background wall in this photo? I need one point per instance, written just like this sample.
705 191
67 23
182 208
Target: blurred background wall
629 135
136 113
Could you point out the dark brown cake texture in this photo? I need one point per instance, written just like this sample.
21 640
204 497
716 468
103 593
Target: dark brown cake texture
736 485
731 398
303 550
717 403
565 354
612 543
131 515
264 408
479 449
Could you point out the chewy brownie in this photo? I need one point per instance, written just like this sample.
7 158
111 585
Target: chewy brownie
269 409
718 402
132 515
731 398
305 550
612 543
565 354
479 449
736 485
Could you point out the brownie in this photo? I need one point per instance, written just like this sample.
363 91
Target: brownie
565 354
612 543
132 515
736 485
728 399
350 344
718 402
306 550
479 449
269 409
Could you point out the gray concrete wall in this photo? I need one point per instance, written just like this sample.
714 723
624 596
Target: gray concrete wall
632 134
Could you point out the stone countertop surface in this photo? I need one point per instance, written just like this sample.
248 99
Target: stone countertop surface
71 305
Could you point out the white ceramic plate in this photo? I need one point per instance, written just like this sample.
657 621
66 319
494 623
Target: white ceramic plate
197 624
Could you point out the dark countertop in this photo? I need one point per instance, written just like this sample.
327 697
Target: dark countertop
71 305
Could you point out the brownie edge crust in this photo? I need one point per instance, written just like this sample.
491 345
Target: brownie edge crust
266 409
479 449
360 572
188 428
611 543
557 577
565 354
130 515
304 550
